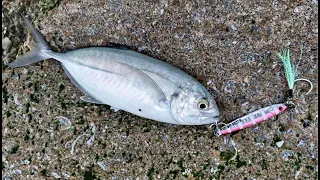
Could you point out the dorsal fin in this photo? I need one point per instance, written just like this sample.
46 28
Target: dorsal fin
118 46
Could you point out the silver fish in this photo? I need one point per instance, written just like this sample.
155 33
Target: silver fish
130 81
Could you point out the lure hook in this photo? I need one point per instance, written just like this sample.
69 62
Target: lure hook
307 80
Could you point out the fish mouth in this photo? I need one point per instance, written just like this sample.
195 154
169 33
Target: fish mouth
209 120
201 121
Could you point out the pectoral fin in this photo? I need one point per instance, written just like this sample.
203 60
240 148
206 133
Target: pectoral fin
142 80
133 77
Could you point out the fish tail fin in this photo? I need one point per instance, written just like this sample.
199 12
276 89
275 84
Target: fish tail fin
40 52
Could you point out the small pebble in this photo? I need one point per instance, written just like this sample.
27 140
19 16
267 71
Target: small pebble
6 43
25 71
268 53
280 143
301 143
17 171
245 104
65 175
91 31
26 161
43 86
15 76
233 27
161 11
298 173
289 131
274 65
102 165
142 48
298 9
29 117
187 48
306 124
90 141
275 3
54 174
64 122
285 154
259 144
310 150
228 87
214 170
16 101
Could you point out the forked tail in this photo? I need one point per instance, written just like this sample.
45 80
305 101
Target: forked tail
39 53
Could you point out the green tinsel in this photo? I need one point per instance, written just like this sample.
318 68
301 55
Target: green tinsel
289 71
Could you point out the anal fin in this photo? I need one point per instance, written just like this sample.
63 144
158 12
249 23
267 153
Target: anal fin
89 99
114 109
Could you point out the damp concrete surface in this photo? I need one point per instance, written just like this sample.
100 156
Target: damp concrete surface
229 46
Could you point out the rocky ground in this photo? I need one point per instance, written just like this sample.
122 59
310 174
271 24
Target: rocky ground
229 46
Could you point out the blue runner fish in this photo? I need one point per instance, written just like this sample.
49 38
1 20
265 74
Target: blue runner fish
130 81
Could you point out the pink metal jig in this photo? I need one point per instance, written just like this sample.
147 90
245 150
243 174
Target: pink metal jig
252 119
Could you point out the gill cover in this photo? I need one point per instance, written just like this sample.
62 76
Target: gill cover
194 105
179 105
183 106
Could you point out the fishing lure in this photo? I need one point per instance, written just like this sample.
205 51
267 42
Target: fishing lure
252 119
266 112
249 120
270 111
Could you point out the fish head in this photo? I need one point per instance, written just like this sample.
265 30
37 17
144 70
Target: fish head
194 106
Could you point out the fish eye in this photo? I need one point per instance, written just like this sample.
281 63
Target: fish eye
203 104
